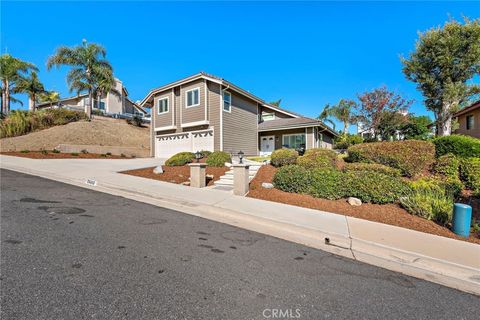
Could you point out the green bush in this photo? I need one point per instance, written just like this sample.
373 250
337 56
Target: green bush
24 151
429 203
135 121
459 145
331 184
283 157
374 167
346 140
292 178
411 157
55 151
318 158
450 187
447 165
470 174
19 122
218 159
205 153
180 159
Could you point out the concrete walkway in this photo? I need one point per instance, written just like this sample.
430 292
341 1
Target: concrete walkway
442 260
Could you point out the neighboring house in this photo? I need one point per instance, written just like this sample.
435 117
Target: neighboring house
205 112
115 102
469 120
368 133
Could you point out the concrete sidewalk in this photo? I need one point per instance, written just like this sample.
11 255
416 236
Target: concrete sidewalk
438 259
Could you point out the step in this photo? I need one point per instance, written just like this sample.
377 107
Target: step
223 182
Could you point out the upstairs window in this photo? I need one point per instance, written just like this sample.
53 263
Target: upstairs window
470 122
162 105
227 101
193 97
267 116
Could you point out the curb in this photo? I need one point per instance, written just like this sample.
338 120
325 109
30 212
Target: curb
406 251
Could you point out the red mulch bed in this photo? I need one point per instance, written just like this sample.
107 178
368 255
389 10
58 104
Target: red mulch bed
179 174
51 155
389 214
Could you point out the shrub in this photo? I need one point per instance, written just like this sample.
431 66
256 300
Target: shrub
429 203
292 178
75 154
470 174
283 157
43 151
122 155
205 153
345 141
135 121
25 151
180 159
103 155
459 145
109 154
327 184
373 167
22 122
375 187
411 157
218 159
318 158
447 165
55 151
84 151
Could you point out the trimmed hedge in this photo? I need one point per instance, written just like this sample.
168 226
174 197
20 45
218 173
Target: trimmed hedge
318 158
411 156
180 159
283 157
218 159
373 167
447 165
368 186
345 141
428 203
459 145
470 174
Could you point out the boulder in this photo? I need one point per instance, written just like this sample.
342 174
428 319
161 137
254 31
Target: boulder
267 185
354 201
209 176
158 170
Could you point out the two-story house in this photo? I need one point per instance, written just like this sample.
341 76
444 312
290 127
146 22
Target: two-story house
115 102
205 112
469 120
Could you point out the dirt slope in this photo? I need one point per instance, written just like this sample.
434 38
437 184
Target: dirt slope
107 132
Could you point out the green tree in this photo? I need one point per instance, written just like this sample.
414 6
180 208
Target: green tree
89 69
324 116
48 96
11 71
444 60
276 103
32 86
390 124
378 110
417 127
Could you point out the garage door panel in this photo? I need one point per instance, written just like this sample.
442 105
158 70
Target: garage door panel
168 145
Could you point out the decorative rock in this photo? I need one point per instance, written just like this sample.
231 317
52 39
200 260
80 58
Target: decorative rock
267 185
158 170
228 164
209 176
354 201
186 183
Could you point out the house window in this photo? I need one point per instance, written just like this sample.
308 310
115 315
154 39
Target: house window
193 97
267 116
162 105
293 141
470 122
227 101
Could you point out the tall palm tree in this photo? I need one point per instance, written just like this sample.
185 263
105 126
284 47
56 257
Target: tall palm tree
89 67
12 70
32 86
344 112
324 116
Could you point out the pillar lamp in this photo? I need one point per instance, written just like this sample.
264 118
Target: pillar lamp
198 156
240 156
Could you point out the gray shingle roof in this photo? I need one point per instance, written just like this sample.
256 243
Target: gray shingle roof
286 123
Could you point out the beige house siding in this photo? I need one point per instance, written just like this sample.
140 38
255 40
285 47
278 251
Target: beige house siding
240 126
462 121
279 115
165 119
214 109
196 113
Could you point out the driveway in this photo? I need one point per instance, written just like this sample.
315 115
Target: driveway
73 253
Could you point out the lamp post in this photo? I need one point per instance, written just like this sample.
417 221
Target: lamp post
240 156
198 156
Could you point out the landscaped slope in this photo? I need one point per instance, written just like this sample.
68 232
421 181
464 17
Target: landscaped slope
107 132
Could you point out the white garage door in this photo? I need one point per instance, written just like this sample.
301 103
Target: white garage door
170 144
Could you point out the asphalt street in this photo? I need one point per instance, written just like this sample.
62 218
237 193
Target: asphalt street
73 253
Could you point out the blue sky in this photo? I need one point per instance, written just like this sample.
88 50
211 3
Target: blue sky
308 54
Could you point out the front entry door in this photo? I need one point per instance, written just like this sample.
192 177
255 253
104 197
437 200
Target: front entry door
267 145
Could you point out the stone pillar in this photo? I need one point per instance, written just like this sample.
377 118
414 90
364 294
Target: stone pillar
197 175
240 179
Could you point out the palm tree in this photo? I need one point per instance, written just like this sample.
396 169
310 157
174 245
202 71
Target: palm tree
343 112
12 70
324 116
89 68
276 103
49 96
32 86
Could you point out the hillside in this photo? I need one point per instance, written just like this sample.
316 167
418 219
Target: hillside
99 131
